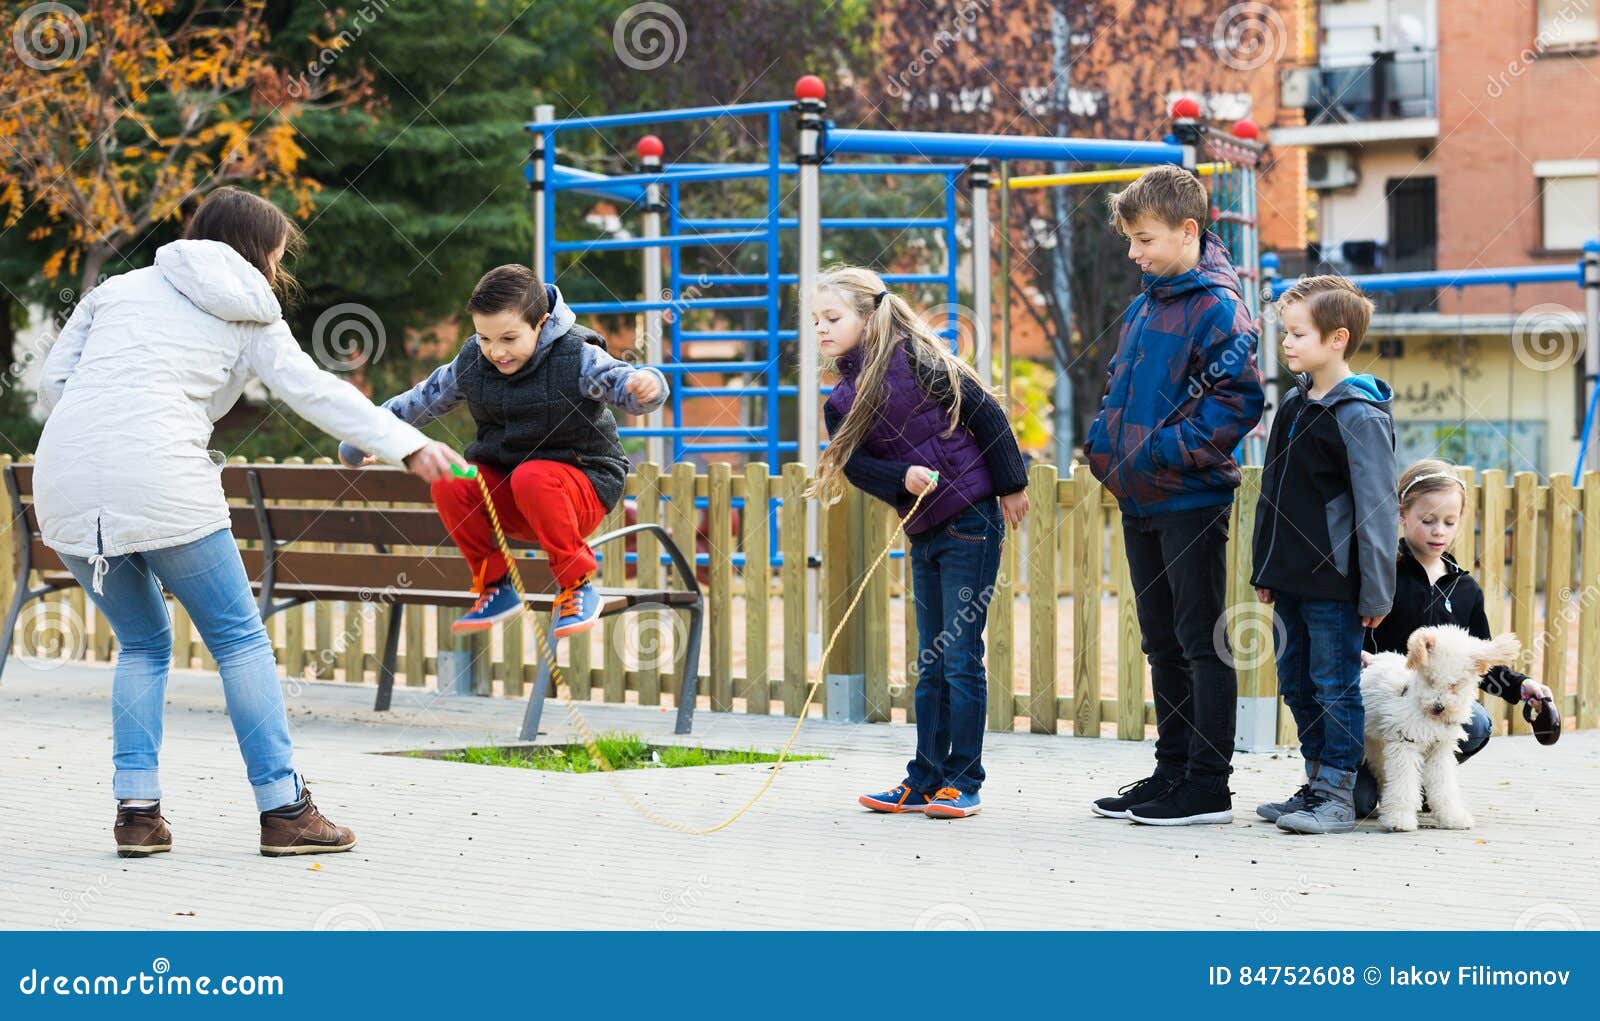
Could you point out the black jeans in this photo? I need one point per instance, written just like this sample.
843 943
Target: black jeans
1178 565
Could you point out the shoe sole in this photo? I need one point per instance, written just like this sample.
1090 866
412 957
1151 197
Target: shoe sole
888 808
1203 819
484 624
289 852
1106 813
1317 832
936 812
141 850
575 629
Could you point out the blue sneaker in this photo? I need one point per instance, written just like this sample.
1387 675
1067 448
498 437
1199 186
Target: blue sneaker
498 602
901 799
949 803
577 609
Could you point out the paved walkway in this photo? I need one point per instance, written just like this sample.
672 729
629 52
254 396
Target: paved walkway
446 845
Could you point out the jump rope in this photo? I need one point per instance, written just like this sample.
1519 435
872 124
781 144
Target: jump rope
581 725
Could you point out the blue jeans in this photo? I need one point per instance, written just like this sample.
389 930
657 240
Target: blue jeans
207 577
1319 677
953 570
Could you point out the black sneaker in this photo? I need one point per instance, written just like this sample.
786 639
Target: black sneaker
1186 804
1136 793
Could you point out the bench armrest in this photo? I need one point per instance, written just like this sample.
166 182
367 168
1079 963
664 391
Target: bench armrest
685 569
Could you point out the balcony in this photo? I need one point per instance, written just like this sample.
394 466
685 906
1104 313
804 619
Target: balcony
1387 97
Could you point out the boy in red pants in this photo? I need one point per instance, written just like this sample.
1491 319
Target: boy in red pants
540 389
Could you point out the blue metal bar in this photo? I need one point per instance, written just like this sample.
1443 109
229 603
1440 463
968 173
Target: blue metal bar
952 286
674 286
683 304
733 448
893 169
1505 276
733 173
774 295
691 336
828 223
589 183
666 241
675 430
688 113
739 391
999 147
680 366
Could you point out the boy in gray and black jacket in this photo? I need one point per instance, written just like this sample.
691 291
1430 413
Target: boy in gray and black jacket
1324 541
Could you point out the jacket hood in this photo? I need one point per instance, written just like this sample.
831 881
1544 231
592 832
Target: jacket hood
1215 269
218 280
1360 387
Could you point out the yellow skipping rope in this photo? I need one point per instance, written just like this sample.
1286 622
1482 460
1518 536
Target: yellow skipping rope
582 726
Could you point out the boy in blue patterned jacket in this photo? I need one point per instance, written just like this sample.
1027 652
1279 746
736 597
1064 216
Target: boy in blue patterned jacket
1183 390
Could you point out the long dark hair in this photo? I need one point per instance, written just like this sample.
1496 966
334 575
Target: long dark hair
254 228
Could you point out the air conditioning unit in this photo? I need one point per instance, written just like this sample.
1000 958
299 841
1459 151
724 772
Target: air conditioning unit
1294 87
1331 169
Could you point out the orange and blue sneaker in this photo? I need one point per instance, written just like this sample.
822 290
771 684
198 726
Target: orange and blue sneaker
498 602
950 803
901 799
577 609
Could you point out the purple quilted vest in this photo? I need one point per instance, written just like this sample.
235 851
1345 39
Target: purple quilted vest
910 428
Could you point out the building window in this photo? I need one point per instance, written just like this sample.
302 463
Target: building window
1567 24
1569 199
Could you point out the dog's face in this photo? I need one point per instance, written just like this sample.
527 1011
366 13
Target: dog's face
1448 662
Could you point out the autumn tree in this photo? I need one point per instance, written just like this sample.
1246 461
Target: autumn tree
121 114
1081 68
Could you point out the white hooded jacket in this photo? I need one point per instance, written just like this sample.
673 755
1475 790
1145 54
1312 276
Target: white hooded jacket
147 363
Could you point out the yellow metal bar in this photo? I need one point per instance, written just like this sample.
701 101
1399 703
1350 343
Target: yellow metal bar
1098 176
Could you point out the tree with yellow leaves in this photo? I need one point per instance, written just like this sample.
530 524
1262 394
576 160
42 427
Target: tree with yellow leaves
120 114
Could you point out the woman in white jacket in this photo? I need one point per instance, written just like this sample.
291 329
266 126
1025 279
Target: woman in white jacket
127 493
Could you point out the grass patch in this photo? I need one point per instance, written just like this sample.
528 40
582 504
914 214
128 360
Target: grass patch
621 750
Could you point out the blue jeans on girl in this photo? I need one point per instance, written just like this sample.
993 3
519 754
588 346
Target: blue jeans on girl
953 570
207 577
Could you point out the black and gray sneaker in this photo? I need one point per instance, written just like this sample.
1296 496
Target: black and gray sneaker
1136 793
1187 804
1271 810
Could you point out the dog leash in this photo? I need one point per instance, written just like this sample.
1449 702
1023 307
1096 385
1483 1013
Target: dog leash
581 725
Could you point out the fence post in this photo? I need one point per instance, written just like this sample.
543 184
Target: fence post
719 550
792 540
1524 567
1558 587
1589 633
1002 636
1086 606
1042 621
756 525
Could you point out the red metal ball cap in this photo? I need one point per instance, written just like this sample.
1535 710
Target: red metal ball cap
650 145
809 87
1186 107
1246 129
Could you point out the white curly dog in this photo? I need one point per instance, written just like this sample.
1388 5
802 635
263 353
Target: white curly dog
1415 707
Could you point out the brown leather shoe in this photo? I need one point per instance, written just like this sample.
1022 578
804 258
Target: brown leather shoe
141 832
299 828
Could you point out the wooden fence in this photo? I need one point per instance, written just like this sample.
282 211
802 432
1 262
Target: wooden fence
1069 662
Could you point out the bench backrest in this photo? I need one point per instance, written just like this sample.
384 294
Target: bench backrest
344 506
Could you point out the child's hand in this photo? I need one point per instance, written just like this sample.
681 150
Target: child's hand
1532 690
644 386
918 479
1015 507
1265 595
1373 621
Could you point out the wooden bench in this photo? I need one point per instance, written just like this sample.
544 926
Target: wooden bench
279 506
